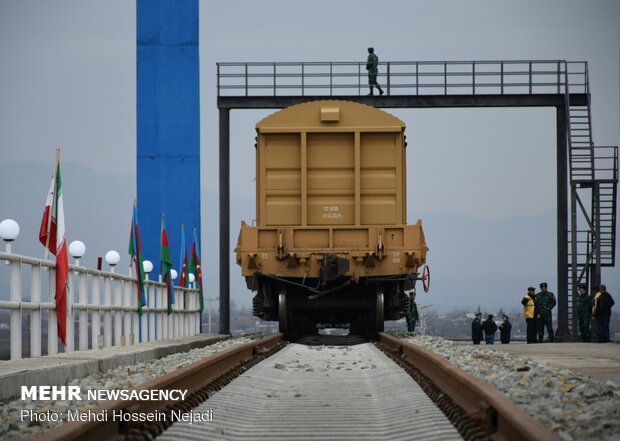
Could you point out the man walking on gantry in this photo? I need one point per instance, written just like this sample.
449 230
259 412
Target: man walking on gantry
372 66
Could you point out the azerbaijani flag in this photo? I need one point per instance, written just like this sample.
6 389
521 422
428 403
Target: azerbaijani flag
135 251
166 265
194 267
53 236
183 279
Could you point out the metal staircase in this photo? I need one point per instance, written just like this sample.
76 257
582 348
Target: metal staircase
593 181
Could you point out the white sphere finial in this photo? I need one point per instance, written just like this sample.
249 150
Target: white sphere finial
191 278
77 249
9 230
148 266
173 274
112 257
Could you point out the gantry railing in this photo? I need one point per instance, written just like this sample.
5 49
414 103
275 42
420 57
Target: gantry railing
101 305
403 78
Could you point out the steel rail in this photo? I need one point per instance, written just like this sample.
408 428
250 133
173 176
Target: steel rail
212 371
498 416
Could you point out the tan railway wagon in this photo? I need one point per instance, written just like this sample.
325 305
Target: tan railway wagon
331 246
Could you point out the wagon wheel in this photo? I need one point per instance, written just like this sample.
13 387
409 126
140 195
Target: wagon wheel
283 312
426 278
380 311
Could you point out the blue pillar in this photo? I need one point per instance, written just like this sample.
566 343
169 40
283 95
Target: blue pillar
168 128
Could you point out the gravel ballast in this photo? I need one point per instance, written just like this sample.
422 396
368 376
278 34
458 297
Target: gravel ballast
571 404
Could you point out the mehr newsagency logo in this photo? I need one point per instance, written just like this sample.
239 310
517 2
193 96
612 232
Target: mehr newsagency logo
74 393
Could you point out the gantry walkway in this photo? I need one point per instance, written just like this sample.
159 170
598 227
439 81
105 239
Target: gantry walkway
585 239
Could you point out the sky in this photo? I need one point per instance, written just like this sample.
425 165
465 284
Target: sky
68 76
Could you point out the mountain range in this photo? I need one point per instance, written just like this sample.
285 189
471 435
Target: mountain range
473 262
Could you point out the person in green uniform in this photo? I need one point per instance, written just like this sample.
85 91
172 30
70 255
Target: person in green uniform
372 66
545 302
584 311
413 317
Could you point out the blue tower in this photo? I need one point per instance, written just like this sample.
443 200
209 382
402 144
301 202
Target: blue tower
168 129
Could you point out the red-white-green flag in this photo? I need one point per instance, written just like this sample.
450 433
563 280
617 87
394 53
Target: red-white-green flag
166 265
47 231
53 236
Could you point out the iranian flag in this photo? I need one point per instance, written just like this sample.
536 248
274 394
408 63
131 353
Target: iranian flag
52 235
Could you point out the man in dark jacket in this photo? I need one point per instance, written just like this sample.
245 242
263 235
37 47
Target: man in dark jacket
489 327
505 329
584 312
601 311
476 329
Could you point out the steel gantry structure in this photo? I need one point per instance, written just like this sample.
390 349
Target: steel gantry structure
587 175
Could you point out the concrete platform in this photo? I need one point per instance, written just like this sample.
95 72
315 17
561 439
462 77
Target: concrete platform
60 369
599 361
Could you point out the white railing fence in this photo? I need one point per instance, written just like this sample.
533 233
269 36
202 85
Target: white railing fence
93 295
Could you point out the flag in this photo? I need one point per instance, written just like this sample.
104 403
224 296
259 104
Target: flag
166 265
183 279
194 267
52 235
47 231
135 251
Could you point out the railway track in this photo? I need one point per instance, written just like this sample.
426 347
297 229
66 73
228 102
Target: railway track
320 392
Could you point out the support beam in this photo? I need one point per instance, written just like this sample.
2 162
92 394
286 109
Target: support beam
596 214
406 101
573 252
224 221
562 219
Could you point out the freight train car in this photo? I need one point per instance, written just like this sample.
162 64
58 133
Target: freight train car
331 246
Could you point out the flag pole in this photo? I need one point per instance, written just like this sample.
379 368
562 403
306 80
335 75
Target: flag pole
199 280
160 235
52 208
163 215
135 202
133 229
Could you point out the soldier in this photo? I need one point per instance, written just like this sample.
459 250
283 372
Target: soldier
504 330
584 308
601 311
476 329
372 67
529 307
545 302
413 317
